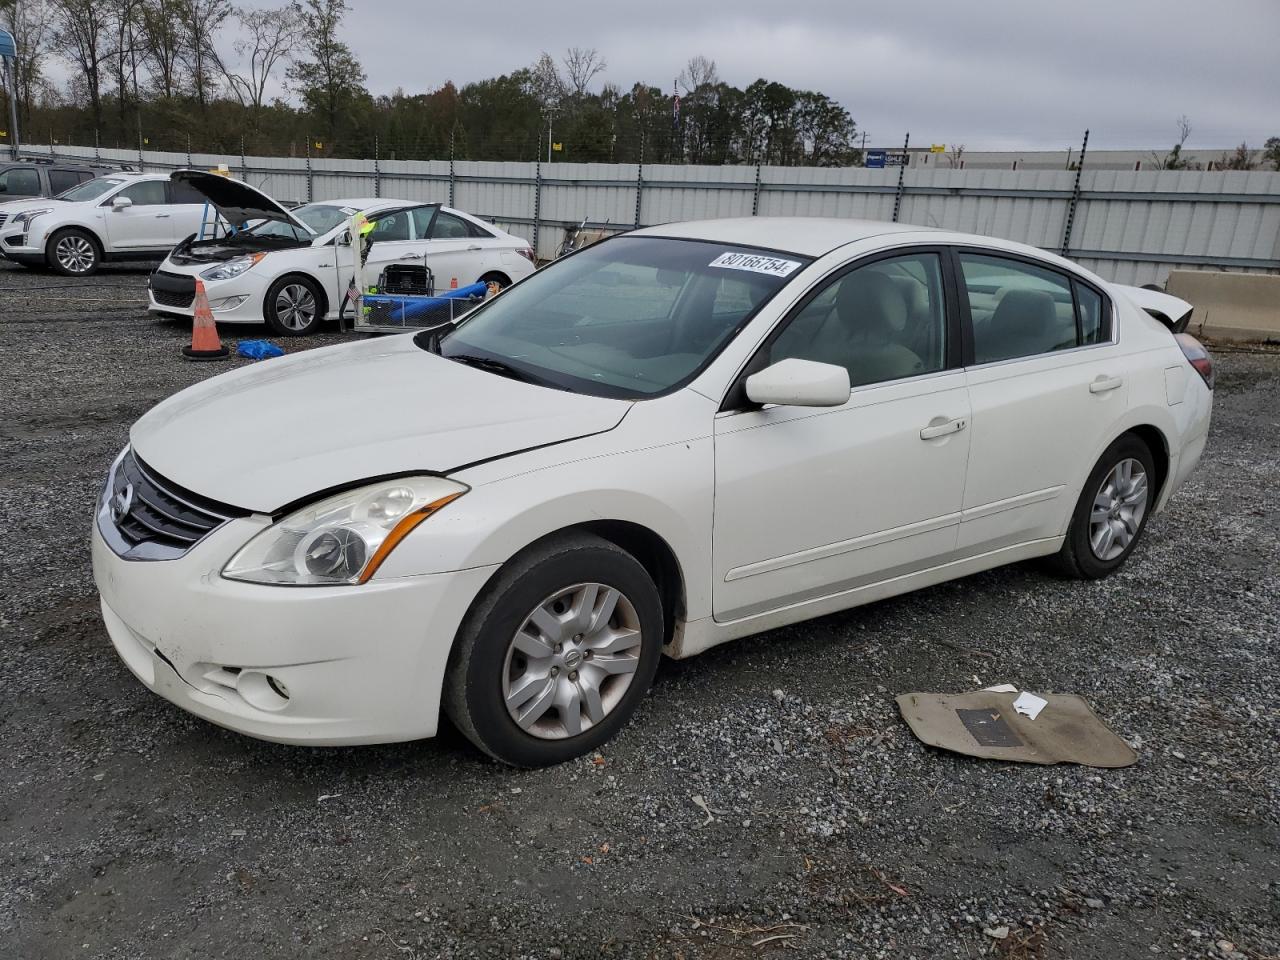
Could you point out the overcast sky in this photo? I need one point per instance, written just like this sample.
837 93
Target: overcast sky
991 74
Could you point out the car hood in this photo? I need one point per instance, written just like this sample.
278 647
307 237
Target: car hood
274 433
236 201
14 207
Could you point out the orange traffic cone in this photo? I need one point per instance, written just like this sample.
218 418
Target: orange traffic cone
205 344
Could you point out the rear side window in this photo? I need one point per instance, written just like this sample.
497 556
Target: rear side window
449 227
19 182
184 193
60 180
1017 309
1095 323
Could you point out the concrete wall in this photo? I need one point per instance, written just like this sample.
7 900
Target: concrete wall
1230 306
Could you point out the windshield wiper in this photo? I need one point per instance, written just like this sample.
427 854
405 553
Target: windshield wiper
499 367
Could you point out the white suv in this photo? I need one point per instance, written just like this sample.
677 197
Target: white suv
124 216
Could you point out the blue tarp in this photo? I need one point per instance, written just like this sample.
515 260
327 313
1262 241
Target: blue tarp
406 309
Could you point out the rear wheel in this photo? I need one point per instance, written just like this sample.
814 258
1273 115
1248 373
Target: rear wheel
501 279
1111 513
557 653
293 307
73 253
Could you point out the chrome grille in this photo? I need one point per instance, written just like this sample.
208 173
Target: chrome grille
145 517
3 218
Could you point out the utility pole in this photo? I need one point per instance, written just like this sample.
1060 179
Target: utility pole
9 59
549 116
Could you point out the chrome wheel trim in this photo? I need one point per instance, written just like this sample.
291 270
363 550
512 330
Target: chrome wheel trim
74 253
295 306
1118 509
572 661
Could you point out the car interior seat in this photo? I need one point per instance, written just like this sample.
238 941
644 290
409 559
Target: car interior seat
1024 323
866 330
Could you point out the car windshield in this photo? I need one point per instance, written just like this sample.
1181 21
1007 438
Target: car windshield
631 317
320 217
90 189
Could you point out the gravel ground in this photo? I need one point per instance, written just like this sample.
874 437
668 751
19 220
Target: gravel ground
767 797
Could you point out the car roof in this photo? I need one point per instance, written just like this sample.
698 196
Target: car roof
810 236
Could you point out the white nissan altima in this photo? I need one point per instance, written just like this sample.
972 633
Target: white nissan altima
678 436
290 268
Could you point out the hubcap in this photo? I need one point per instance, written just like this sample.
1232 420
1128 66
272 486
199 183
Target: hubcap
295 306
1118 509
571 661
74 254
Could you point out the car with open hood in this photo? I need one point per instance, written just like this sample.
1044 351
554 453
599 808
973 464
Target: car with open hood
263 263
675 437
119 216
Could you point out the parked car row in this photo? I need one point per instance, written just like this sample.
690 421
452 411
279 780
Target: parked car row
260 261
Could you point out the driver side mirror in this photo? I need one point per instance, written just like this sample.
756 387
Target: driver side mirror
800 383
344 239
121 203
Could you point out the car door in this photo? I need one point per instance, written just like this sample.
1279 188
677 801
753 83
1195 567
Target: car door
1045 383
19 183
457 255
146 223
811 502
391 241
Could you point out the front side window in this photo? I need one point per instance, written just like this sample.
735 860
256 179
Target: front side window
1017 309
145 193
19 182
631 317
391 228
883 321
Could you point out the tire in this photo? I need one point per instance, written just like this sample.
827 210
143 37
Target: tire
294 306
501 279
502 655
1111 499
73 253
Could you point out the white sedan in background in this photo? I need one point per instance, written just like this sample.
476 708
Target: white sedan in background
291 269
675 437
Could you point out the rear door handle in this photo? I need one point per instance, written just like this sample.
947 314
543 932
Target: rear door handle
161 216
475 247
412 256
935 430
1103 384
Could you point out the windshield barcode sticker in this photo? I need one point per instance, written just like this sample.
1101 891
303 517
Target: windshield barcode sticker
774 266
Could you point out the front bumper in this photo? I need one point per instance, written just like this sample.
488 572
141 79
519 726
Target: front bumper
249 286
21 247
304 665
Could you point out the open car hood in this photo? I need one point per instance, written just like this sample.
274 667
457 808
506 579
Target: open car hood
277 432
236 201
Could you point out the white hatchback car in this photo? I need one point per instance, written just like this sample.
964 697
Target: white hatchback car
123 216
673 438
290 268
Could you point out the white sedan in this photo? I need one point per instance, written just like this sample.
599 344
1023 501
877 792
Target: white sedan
673 438
291 269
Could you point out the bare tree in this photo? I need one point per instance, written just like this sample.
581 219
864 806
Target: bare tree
955 156
268 37
581 66
1242 158
162 44
698 72
200 22
1174 160
123 55
82 36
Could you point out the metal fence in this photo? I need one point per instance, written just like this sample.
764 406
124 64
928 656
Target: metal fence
1131 227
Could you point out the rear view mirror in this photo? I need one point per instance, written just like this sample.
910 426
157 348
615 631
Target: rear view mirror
120 203
800 383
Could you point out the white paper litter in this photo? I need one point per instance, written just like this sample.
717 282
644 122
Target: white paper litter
1029 705
1001 688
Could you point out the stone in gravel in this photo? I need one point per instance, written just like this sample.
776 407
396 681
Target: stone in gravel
997 933
1093 903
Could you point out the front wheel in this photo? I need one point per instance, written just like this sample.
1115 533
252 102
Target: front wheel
292 307
73 253
1112 512
556 654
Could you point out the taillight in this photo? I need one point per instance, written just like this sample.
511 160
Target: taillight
1197 356
527 253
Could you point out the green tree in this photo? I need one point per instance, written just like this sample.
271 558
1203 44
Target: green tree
327 77
1271 152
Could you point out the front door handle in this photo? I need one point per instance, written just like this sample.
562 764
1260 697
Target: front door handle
161 216
1103 384
412 256
935 429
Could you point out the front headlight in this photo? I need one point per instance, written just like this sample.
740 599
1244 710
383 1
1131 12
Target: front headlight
232 268
341 539
28 215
